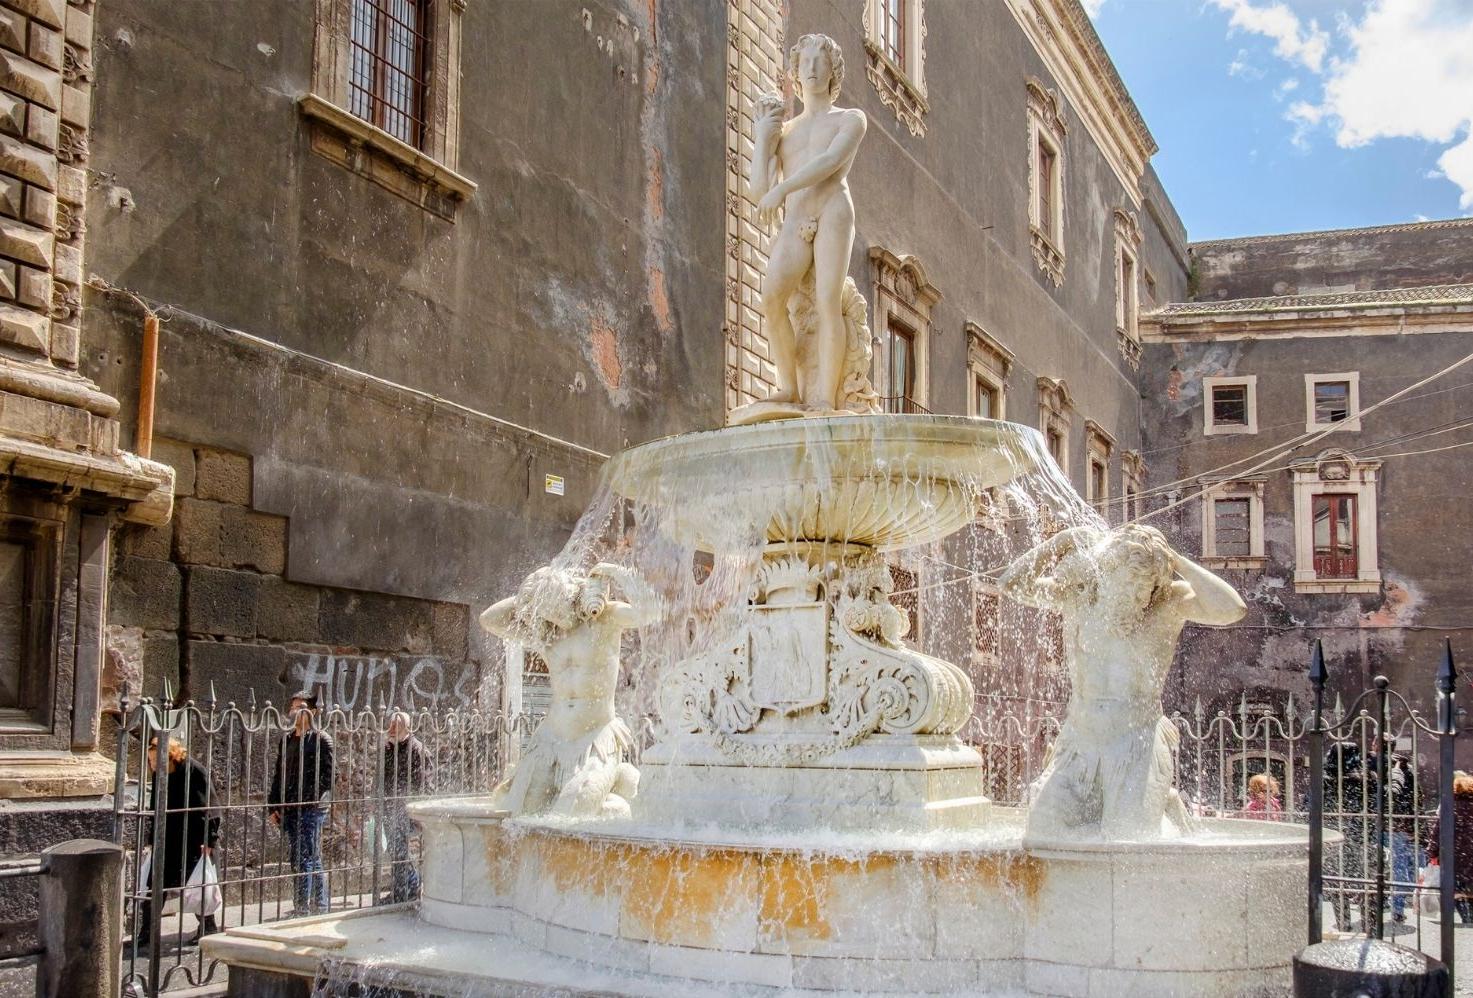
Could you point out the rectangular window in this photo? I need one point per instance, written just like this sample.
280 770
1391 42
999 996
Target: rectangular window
1331 401
1232 527
986 400
1335 554
14 559
1055 446
892 31
985 610
1097 489
901 348
389 66
1132 503
1126 318
1230 405
1047 164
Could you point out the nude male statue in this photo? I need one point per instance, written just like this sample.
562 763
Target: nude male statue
576 763
1125 596
812 154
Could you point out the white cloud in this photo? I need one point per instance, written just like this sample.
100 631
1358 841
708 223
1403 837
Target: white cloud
1408 74
1293 39
1092 7
1240 66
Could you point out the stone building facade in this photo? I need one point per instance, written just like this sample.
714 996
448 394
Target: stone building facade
1335 525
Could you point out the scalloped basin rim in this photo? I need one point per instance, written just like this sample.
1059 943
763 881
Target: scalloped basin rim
883 481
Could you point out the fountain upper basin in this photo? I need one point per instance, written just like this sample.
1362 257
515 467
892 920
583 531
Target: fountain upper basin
880 482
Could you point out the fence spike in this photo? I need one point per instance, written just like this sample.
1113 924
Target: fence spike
1243 708
1200 712
1318 674
1338 712
1289 706
1447 672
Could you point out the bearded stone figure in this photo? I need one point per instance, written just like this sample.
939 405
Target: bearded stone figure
576 764
1124 596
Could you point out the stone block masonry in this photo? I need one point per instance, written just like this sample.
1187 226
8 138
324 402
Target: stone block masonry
207 601
45 101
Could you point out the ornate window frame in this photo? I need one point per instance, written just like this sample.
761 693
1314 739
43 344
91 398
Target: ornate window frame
1351 423
426 176
1099 445
1128 239
1046 127
1210 428
988 363
904 292
1055 408
1340 472
1132 484
1250 489
901 88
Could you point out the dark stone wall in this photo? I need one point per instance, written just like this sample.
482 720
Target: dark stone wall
1399 256
394 387
1422 523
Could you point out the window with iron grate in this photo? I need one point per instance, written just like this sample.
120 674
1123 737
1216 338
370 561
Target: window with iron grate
389 66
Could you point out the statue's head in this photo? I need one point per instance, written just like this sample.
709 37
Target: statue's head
1136 563
813 58
559 599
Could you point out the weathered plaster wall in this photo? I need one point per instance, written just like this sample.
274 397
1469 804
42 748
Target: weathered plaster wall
1399 256
403 383
1424 519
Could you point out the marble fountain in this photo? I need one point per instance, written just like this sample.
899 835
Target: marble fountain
807 819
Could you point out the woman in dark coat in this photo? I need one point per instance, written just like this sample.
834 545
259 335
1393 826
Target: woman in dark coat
191 831
1350 791
1462 845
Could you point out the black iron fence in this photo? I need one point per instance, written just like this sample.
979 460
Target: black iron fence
1366 866
366 843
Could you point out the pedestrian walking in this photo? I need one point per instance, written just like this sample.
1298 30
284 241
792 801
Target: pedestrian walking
1462 846
301 784
406 772
1350 785
1406 859
1263 798
191 834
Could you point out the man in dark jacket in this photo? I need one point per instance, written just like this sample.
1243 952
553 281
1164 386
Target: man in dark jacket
300 784
406 769
191 833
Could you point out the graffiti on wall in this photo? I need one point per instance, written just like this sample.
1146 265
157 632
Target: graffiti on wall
414 682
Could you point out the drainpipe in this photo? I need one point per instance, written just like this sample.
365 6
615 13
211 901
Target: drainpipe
148 375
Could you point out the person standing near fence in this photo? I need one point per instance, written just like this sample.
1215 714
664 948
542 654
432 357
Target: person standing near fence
406 771
300 785
1401 788
1263 798
1462 845
191 834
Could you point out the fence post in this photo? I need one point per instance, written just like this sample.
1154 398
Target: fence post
81 920
1447 721
1383 731
1318 676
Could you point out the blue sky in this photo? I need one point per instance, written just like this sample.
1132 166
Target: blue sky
1291 115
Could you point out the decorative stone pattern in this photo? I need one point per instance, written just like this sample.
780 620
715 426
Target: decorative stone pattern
755 65
902 91
46 79
1046 123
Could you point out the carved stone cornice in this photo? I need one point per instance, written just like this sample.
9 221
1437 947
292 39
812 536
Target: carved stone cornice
1061 32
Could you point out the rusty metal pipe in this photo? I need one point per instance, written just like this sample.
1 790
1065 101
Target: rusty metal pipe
148 374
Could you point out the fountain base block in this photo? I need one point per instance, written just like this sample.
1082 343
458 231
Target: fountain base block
628 908
908 783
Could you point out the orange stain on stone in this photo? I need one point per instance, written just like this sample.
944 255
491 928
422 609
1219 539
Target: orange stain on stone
686 896
660 301
605 350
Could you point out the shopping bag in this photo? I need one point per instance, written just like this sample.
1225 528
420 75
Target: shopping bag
201 895
1429 883
374 831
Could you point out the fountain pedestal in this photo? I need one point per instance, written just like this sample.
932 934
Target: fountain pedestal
903 783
